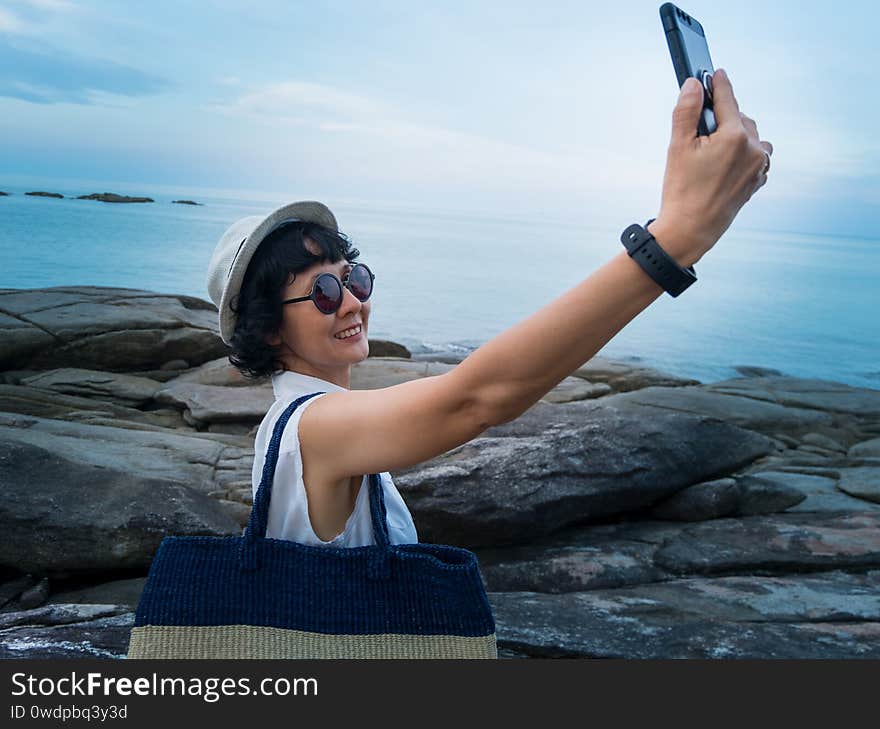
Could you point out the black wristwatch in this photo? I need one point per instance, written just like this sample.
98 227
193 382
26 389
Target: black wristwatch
659 265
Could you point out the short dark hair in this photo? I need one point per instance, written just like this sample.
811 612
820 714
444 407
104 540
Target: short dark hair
258 303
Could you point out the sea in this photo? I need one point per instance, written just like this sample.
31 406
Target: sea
447 281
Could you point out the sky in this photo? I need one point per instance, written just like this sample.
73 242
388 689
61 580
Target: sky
558 109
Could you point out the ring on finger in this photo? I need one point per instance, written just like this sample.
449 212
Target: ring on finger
766 164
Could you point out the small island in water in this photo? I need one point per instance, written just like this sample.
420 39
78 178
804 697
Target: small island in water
108 197
112 197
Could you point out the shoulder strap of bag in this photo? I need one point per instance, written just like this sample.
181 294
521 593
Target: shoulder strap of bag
259 518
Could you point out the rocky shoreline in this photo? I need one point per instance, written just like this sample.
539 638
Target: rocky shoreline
628 514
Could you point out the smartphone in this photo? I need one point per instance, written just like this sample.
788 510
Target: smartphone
690 57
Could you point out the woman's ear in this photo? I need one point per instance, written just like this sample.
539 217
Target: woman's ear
273 340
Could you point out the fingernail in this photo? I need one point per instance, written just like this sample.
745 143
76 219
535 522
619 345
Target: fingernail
690 88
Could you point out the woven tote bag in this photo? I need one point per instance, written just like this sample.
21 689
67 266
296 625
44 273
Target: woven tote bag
255 597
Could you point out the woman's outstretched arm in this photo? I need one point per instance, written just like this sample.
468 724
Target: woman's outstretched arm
707 181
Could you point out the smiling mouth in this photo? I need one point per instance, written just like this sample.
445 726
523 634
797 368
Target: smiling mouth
349 333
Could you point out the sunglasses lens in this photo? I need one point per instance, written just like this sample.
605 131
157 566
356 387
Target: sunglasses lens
328 293
360 282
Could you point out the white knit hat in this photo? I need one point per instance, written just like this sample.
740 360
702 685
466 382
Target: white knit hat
238 245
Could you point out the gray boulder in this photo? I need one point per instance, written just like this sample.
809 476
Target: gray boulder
213 404
624 377
743 496
865 449
203 461
68 631
125 592
732 405
807 617
507 490
794 392
46 404
104 386
570 568
862 482
792 542
385 348
89 519
108 329
821 492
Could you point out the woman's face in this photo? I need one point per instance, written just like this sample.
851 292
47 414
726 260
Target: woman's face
308 338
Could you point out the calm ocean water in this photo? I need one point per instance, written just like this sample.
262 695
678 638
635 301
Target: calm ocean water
803 304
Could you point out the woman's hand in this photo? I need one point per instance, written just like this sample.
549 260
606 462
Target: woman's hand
708 179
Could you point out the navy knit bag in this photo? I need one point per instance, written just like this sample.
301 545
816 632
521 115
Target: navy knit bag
255 597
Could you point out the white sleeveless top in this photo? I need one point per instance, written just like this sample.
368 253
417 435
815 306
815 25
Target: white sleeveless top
288 508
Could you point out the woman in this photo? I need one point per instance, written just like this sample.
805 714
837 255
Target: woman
278 320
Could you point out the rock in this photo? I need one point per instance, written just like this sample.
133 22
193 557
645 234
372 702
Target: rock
203 461
571 568
117 592
384 348
186 202
236 510
575 388
175 365
863 482
34 596
46 404
105 635
791 542
112 197
377 372
815 449
57 195
865 449
707 500
741 496
105 386
750 371
707 400
759 496
245 495
623 377
823 441
507 490
107 329
91 518
794 392
212 404
218 372
49 615
12 589
820 491
787 440
826 616
3 194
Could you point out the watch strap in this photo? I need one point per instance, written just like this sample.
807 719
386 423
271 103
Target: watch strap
644 249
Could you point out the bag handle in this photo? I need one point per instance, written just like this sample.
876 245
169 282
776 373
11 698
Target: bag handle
259 519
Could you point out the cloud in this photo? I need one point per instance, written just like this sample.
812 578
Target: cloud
9 23
298 100
60 5
41 74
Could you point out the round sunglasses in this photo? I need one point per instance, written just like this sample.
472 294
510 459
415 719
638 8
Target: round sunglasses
327 290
